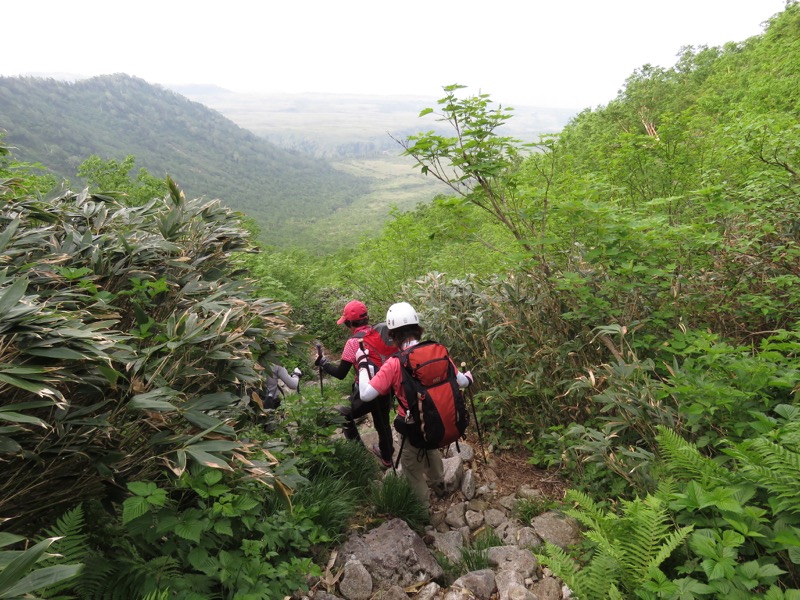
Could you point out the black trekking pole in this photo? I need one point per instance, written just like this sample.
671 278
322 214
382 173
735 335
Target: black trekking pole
319 358
475 416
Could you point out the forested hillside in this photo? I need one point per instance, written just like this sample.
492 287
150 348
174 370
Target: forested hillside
60 124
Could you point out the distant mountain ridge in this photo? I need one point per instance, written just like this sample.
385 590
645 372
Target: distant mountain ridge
60 124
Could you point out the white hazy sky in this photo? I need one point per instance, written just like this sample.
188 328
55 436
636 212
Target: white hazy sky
547 53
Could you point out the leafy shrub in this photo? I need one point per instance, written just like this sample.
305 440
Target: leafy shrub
709 394
120 322
210 536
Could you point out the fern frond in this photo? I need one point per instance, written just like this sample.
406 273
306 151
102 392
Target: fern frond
73 545
684 461
646 526
563 566
587 512
772 466
666 489
94 578
128 578
670 544
600 576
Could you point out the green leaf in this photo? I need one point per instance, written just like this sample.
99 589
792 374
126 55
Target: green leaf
16 417
36 388
11 296
62 353
42 578
133 508
6 539
207 422
204 458
190 530
17 569
140 403
215 446
142 488
223 527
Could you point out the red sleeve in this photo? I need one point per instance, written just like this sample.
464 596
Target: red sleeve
388 378
349 351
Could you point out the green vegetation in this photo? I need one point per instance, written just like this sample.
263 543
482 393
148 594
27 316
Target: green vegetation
627 294
117 116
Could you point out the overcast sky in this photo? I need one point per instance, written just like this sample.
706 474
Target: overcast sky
547 53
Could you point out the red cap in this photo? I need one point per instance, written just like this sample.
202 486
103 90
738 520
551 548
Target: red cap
353 311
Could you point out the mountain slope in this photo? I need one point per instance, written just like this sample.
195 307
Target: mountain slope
59 124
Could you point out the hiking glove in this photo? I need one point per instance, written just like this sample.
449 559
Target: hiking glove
297 372
320 361
468 375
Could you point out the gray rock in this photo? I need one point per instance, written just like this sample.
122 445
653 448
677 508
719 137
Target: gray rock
508 502
450 544
474 519
453 473
455 515
527 538
468 485
476 504
556 528
547 588
480 583
356 582
462 449
527 492
437 521
393 554
509 584
511 558
393 593
494 517
458 594
429 592
322 595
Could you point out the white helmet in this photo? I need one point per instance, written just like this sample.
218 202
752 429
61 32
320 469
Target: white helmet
401 314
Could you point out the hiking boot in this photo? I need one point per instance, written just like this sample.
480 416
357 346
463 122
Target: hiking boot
439 489
377 452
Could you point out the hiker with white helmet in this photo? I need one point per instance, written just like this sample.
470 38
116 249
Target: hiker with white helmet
419 457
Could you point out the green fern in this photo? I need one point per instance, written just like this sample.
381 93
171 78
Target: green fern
772 466
683 459
71 547
74 544
627 548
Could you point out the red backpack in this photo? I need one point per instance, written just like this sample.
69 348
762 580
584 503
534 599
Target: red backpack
379 350
436 413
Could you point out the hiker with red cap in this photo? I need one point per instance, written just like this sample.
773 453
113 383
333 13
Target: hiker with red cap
356 319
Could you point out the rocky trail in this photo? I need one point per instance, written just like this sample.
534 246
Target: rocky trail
392 562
